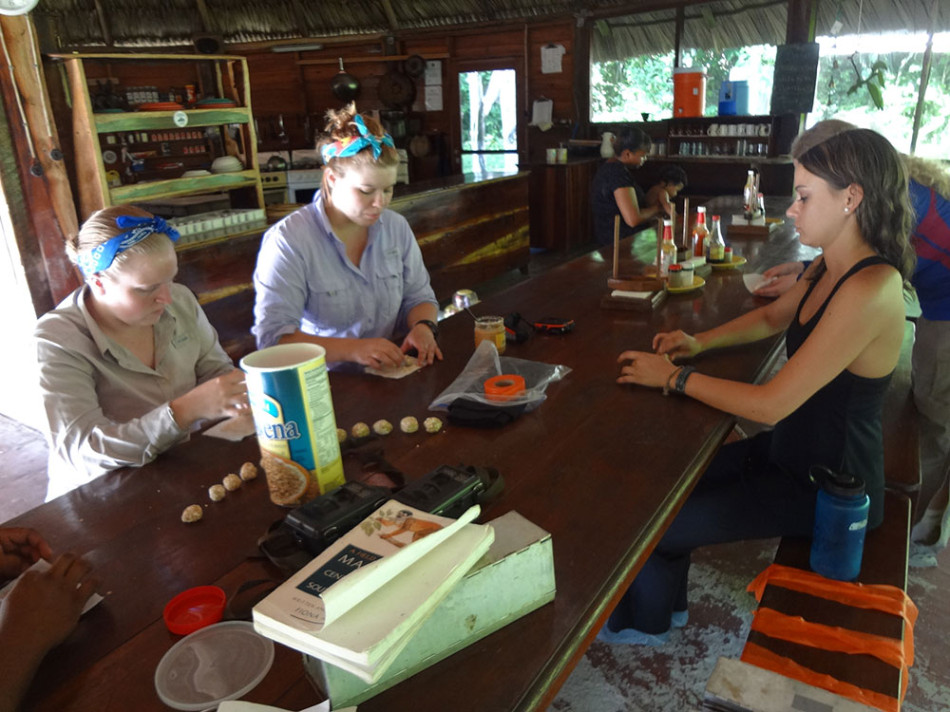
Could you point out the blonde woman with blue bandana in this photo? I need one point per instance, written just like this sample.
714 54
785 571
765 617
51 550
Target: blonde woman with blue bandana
345 272
128 363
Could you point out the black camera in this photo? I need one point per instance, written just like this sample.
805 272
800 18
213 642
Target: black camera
447 491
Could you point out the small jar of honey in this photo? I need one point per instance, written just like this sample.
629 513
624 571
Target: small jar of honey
491 328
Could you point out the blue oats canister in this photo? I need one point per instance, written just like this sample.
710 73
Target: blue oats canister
841 522
289 391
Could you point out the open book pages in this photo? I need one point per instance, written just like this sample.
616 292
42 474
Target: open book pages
369 637
381 546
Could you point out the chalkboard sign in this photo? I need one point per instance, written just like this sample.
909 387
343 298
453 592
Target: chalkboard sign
793 85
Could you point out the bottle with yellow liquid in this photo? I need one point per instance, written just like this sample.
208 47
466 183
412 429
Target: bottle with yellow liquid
667 250
717 245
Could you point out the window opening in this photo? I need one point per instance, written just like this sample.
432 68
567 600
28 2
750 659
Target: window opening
489 121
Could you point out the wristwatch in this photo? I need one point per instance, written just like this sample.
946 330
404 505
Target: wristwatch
433 327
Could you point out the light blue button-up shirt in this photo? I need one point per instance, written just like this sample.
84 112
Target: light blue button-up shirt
304 280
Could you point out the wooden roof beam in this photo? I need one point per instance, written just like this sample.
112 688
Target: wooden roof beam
104 24
207 25
390 15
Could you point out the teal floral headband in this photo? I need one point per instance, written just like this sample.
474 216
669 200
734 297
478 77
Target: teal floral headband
351 145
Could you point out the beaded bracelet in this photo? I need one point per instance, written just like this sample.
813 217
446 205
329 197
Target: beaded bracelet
667 387
684 373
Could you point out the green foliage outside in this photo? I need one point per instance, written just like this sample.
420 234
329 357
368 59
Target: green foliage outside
901 74
622 90
489 134
483 122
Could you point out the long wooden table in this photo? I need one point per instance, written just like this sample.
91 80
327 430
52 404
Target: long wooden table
603 468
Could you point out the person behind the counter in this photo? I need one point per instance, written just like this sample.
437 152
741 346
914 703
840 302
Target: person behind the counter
41 609
345 272
128 363
614 192
843 324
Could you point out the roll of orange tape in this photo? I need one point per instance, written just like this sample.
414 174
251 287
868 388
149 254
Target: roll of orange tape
504 387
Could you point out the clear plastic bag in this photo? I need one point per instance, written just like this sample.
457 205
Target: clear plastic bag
486 363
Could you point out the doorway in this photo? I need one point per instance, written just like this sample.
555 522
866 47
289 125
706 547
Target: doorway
490 134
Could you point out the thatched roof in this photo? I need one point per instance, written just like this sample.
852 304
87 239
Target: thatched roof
69 24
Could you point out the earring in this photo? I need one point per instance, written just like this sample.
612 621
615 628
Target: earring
847 210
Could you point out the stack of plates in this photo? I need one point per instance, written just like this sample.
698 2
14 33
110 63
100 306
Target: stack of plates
195 173
215 103
161 106
226 164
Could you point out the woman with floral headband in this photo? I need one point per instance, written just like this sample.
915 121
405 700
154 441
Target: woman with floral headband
344 272
128 362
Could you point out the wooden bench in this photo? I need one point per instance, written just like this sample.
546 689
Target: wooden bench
884 562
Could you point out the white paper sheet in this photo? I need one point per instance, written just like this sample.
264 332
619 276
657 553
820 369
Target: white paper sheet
626 294
409 365
551 55
233 429
541 113
433 98
433 73
754 281
41 566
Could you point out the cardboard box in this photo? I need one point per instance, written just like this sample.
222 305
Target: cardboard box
515 577
736 686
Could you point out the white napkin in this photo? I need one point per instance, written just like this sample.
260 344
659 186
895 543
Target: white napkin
234 429
409 365
624 294
41 566
755 280
242 706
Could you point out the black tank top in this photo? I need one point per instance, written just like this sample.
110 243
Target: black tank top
840 425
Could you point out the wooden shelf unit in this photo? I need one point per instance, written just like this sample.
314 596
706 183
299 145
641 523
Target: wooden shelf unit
222 76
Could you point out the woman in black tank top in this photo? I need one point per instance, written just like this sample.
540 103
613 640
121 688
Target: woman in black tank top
843 328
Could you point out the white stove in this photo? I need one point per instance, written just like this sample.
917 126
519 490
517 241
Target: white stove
302 183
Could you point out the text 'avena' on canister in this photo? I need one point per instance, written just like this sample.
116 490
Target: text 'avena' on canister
293 413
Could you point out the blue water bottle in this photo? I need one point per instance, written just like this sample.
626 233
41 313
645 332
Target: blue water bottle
841 520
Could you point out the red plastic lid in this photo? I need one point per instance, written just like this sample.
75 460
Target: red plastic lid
193 609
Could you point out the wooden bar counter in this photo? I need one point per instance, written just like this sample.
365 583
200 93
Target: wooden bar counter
469 228
604 468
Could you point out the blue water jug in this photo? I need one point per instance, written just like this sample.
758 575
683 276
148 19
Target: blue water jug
841 520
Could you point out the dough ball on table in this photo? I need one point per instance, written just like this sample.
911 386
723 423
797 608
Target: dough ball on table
432 425
341 435
409 424
217 492
248 471
192 513
232 482
360 430
382 427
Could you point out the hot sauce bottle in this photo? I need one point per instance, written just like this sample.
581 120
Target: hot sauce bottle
700 233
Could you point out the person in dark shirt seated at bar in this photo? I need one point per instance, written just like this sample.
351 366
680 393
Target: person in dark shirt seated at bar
843 327
614 192
39 612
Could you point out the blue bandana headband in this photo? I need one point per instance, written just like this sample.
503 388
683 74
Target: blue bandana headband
351 145
136 229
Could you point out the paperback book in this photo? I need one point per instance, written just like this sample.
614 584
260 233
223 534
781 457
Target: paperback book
357 604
